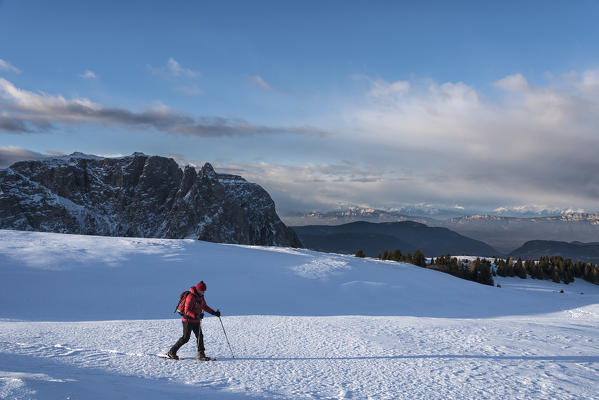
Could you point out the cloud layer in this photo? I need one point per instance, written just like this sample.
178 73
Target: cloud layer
22 111
523 143
397 143
419 141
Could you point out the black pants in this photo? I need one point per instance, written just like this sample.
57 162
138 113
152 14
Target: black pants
188 327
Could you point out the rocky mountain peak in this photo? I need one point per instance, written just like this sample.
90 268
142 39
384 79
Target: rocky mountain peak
138 195
207 171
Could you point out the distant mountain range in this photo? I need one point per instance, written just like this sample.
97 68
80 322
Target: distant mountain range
507 233
340 217
374 238
577 251
418 213
139 196
502 232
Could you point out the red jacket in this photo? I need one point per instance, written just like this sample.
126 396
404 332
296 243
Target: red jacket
195 305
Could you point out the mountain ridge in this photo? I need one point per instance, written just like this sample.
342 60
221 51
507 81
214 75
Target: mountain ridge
505 233
409 236
140 196
577 251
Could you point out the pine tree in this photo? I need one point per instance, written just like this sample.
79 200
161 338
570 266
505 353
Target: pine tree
360 253
546 268
595 275
519 270
501 268
555 277
578 269
483 272
509 267
419 258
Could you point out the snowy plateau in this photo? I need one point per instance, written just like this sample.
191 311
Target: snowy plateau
86 317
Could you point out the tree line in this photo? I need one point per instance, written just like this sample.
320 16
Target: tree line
417 258
555 268
477 270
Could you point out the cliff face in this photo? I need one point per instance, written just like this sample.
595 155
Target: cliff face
140 196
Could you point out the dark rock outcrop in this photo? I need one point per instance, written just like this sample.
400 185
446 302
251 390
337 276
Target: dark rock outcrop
139 196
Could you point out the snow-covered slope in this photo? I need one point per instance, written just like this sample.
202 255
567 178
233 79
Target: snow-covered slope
302 324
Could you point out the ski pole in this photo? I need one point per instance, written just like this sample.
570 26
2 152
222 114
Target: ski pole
225 332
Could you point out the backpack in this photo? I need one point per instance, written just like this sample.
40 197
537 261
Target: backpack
181 304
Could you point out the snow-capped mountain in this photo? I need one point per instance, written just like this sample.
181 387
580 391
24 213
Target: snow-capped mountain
140 196
532 211
354 214
507 233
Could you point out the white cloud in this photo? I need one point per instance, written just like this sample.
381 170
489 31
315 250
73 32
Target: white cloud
382 88
174 69
6 66
590 81
12 154
515 83
177 70
183 161
88 74
258 81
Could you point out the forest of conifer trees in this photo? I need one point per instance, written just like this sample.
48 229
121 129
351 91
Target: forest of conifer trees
478 270
553 268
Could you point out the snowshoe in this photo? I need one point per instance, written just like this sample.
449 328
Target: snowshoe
202 357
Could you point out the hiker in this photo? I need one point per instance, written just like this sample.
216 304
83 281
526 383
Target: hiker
191 316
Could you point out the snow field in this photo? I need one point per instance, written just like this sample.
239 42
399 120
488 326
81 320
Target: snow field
84 317
308 358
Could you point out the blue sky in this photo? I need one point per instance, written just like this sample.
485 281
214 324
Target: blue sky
326 104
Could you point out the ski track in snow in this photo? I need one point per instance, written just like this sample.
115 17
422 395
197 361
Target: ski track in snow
311 358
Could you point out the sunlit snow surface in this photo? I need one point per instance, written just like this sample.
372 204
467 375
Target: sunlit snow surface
302 325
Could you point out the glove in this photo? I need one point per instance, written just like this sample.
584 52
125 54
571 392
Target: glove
200 316
217 313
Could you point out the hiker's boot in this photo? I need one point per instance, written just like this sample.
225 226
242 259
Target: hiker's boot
172 355
202 357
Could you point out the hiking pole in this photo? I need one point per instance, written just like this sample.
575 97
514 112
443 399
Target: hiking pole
225 332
